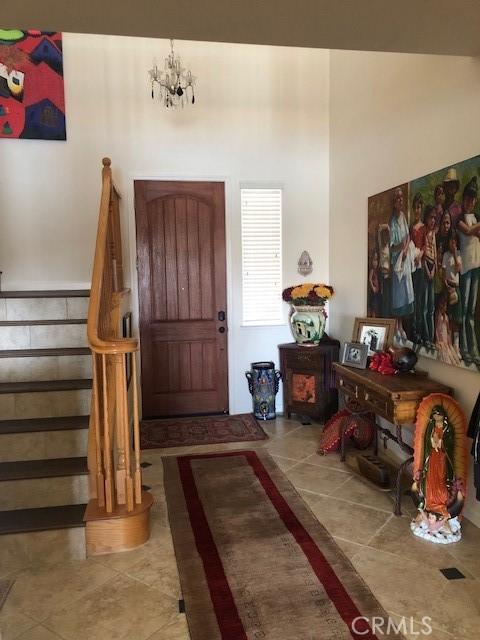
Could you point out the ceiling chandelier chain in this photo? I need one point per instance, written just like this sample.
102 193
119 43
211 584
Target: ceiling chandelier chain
173 85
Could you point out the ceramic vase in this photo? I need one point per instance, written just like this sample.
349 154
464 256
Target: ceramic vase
307 324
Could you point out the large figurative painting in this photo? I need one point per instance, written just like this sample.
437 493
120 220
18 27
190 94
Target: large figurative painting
424 263
32 103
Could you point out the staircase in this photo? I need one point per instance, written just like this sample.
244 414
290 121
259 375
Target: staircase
45 390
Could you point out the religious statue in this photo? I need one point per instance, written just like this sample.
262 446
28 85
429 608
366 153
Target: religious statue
439 477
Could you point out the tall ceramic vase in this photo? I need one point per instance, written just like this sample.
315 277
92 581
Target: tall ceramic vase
307 324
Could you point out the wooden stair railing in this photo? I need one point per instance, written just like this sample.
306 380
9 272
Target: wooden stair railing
117 516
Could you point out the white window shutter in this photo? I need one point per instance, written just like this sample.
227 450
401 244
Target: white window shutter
261 256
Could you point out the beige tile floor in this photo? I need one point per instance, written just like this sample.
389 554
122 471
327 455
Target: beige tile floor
135 595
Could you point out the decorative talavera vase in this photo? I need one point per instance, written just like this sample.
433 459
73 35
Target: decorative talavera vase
263 382
307 324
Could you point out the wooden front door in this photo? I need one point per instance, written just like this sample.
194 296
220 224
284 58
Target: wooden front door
182 296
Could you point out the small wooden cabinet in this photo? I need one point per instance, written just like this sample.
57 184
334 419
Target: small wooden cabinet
308 378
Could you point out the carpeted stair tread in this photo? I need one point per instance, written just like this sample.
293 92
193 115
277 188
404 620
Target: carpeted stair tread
42 518
53 293
54 351
32 425
45 385
36 323
52 468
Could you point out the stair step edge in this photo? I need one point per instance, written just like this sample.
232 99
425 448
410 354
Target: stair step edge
51 293
39 353
37 323
43 386
40 469
42 519
37 425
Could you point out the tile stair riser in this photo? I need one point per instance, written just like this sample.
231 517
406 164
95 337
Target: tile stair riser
43 336
43 492
43 308
32 369
25 550
43 445
47 404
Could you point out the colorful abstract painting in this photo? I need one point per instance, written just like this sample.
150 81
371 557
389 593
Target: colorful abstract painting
32 101
424 263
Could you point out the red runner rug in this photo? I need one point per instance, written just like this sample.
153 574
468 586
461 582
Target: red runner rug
253 560
184 432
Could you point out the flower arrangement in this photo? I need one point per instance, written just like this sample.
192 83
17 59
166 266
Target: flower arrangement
308 294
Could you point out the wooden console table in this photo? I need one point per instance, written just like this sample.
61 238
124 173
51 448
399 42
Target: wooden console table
395 398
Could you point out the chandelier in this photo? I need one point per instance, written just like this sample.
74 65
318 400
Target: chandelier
174 84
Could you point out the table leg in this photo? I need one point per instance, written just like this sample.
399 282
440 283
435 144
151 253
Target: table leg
375 438
398 487
345 423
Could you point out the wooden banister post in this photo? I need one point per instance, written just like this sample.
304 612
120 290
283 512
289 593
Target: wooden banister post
95 424
136 433
121 472
107 447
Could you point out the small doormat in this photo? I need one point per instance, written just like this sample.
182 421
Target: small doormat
253 560
185 432
5 586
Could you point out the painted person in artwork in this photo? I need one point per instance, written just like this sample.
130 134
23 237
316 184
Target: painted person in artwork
429 268
439 203
402 258
451 267
468 229
417 234
384 269
374 293
443 334
451 185
442 236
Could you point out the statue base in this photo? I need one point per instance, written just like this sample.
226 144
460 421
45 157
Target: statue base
450 530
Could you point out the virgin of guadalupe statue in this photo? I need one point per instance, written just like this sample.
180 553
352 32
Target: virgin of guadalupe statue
439 477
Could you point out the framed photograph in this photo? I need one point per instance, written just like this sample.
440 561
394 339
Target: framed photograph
127 333
355 354
376 333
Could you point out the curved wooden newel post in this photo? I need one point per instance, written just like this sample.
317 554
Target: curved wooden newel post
118 513
120 531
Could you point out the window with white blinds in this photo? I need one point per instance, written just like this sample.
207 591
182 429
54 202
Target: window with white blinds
262 256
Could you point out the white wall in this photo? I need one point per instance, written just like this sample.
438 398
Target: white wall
261 115
394 117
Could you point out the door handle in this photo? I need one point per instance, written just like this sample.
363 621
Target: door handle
221 330
221 316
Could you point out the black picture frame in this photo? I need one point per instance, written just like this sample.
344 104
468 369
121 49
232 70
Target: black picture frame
355 354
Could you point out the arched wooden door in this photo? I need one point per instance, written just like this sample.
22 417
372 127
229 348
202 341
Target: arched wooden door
182 297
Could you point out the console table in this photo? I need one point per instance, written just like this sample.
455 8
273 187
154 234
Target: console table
308 379
395 398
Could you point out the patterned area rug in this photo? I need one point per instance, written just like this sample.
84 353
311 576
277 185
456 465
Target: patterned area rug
181 432
253 560
5 586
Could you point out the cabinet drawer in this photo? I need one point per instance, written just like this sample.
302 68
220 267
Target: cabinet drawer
378 403
348 387
303 360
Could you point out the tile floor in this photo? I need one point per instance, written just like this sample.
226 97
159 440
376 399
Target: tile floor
135 595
